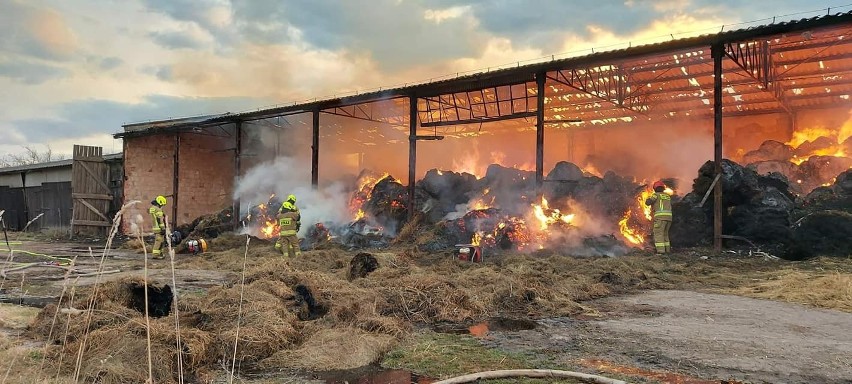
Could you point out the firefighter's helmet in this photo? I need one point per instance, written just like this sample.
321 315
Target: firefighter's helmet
658 184
160 200
291 199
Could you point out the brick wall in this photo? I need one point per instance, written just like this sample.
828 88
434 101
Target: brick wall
148 172
206 175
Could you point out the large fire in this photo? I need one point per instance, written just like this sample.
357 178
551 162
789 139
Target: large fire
807 135
635 234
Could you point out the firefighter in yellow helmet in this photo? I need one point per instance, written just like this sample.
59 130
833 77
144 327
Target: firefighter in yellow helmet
289 223
661 205
156 212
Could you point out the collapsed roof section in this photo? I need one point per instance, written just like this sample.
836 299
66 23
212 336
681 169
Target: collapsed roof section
777 68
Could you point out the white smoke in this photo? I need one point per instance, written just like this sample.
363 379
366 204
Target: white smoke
285 176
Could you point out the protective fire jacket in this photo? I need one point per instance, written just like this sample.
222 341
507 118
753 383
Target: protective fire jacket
288 223
661 203
157 214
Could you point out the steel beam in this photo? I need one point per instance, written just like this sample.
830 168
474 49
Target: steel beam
755 58
608 85
540 79
238 143
717 52
519 115
412 152
315 149
175 180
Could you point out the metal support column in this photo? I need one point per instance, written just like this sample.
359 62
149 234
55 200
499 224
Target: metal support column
238 147
175 180
539 133
412 152
717 52
315 152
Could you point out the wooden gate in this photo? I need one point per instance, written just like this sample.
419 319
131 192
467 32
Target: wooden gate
89 191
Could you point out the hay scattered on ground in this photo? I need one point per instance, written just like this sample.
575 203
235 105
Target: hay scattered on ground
333 349
833 291
304 313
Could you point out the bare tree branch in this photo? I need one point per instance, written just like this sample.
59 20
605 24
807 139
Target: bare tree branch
30 155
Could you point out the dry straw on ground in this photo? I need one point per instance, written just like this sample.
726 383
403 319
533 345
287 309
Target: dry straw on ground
832 291
349 323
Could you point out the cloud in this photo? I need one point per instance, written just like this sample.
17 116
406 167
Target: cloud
91 117
108 63
35 32
177 39
394 34
29 72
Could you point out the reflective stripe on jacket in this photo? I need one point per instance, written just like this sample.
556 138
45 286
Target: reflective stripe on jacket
288 223
661 203
157 215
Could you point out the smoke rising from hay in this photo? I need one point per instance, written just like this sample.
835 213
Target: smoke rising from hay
285 176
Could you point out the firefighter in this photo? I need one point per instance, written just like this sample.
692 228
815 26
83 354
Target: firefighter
661 204
156 212
291 204
289 223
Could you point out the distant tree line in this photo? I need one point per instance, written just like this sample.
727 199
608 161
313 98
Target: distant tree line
30 155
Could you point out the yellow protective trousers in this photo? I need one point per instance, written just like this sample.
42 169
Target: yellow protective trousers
661 234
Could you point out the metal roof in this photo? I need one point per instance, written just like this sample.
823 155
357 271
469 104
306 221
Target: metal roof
52 164
810 59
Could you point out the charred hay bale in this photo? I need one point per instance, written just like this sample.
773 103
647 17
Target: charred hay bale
564 170
769 150
824 233
361 265
739 184
562 180
789 170
818 170
763 225
207 227
809 147
691 225
448 187
843 183
512 188
387 203
837 197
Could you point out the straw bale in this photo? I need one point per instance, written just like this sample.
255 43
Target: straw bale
331 349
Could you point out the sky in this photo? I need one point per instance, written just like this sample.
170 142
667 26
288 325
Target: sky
73 71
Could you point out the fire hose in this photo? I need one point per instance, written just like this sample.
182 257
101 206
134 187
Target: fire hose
536 373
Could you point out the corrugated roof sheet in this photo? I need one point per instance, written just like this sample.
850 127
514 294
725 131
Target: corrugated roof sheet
504 76
52 164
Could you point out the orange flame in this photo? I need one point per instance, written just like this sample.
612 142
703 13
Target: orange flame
476 239
547 216
630 234
362 194
803 135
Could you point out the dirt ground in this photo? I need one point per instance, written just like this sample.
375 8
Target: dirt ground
641 318
700 335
